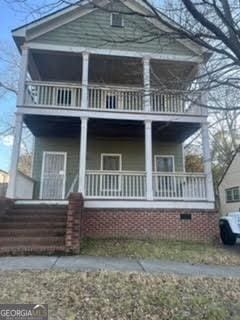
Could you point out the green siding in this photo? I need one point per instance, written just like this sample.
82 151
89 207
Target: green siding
132 150
94 30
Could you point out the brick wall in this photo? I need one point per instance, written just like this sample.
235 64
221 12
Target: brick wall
151 223
5 204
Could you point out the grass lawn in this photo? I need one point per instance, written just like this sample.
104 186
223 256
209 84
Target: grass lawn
117 296
160 249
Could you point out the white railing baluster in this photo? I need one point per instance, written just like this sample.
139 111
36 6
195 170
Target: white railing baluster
179 186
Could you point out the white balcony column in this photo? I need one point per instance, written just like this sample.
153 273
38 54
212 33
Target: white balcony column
147 85
85 66
207 162
23 76
204 92
83 155
148 159
11 191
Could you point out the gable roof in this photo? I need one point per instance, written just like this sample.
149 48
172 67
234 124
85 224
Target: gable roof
80 8
229 165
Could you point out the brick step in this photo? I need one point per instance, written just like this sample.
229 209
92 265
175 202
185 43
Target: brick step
27 241
31 225
32 232
33 218
32 250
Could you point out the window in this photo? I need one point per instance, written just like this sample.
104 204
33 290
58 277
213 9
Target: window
110 181
164 163
111 162
232 194
117 20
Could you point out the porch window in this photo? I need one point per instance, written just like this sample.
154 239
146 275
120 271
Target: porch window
111 181
164 163
111 162
117 20
165 184
233 194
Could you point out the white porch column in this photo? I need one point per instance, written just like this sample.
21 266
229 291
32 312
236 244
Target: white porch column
148 159
83 155
146 80
23 76
11 191
85 64
207 162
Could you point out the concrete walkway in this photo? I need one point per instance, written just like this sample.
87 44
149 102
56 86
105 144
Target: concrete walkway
84 263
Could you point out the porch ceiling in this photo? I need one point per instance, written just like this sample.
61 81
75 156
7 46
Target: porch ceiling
70 127
60 66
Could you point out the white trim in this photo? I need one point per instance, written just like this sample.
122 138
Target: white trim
126 204
141 116
164 156
64 167
111 52
111 155
148 204
39 202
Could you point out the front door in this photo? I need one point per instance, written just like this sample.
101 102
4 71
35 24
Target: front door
53 176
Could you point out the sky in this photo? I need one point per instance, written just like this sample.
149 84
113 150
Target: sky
10 18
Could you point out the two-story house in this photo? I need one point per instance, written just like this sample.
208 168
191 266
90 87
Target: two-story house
106 95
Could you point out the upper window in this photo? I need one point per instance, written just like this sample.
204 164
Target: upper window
233 194
164 163
117 20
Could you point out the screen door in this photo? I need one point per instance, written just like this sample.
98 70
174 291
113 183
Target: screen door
53 175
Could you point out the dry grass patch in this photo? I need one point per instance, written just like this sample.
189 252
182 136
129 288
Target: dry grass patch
117 296
160 249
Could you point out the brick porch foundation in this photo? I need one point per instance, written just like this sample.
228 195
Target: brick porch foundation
170 224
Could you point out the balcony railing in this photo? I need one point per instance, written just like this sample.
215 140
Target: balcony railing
111 98
132 185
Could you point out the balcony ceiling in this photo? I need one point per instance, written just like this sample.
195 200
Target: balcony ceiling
70 127
59 66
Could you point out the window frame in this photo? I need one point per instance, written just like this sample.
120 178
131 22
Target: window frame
111 155
164 156
111 20
233 199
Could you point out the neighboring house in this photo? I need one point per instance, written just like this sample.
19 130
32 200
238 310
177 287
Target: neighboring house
3 182
102 124
229 186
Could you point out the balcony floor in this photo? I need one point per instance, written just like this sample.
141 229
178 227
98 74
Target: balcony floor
49 126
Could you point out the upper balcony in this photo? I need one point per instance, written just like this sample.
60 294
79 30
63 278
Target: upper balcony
67 81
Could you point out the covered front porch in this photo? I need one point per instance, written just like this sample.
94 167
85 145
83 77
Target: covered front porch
116 160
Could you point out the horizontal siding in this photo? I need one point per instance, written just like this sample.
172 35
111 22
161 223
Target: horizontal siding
132 150
94 30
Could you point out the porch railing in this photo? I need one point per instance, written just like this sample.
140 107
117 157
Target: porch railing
51 94
111 98
112 184
182 186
